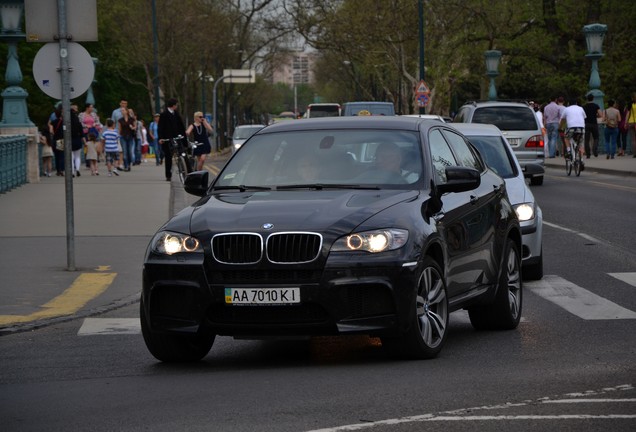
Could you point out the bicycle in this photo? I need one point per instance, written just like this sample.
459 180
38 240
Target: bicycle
182 156
573 159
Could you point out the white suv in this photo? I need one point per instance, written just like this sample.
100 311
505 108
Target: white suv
519 125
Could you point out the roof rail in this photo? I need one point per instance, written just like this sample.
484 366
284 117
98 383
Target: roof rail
474 102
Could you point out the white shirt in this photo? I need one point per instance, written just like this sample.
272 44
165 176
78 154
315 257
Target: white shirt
574 116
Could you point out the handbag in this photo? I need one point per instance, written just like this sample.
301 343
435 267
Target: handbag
59 144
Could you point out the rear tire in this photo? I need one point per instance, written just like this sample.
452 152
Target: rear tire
578 164
568 165
428 318
175 348
504 313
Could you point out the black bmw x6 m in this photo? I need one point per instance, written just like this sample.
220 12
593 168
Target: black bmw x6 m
358 225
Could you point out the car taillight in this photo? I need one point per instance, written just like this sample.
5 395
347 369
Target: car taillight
535 141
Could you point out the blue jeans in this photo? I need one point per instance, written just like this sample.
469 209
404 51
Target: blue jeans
553 136
128 148
137 151
610 141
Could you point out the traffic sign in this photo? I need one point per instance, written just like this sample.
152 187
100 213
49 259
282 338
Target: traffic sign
46 69
422 99
240 76
422 87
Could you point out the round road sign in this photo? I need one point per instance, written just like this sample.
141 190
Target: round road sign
47 74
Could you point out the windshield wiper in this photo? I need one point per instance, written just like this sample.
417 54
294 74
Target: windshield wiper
241 188
321 186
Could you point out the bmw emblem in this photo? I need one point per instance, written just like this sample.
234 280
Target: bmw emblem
268 226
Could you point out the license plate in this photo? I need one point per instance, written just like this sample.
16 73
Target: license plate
262 296
515 142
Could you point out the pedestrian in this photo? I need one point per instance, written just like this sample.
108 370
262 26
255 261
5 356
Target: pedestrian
77 141
91 152
90 123
592 113
170 126
127 129
56 130
153 135
200 131
117 114
612 118
551 116
47 151
138 138
631 123
110 146
621 145
141 127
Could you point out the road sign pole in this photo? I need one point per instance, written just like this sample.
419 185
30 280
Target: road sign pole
66 110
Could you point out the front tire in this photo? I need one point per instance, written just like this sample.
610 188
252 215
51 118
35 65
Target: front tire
504 313
183 169
428 318
174 348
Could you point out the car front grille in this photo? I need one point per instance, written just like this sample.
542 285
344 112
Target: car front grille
293 248
270 276
282 248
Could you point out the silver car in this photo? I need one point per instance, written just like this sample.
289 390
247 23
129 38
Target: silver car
518 123
242 133
498 154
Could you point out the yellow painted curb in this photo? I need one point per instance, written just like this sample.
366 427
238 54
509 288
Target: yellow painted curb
86 287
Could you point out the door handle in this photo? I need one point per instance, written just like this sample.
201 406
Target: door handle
473 199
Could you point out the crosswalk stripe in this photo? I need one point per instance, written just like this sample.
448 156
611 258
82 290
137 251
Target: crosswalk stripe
110 326
577 300
629 278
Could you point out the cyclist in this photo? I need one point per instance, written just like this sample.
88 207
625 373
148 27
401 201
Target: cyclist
574 118
170 126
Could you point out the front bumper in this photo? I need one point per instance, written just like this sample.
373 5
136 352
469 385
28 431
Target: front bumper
345 296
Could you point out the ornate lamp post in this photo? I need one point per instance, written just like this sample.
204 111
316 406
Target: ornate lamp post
492 70
14 112
594 35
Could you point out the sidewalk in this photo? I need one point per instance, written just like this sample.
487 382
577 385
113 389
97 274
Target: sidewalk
624 165
114 219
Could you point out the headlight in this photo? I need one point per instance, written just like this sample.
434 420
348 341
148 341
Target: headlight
525 212
372 241
170 243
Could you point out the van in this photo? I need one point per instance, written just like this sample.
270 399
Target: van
368 108
323 110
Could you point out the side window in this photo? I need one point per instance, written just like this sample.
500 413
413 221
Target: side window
463 151
441 154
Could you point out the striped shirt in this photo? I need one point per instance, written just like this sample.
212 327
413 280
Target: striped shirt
110 140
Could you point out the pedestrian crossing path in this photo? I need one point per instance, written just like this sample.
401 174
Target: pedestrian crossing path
574 299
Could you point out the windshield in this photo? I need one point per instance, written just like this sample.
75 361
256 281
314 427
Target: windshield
324 111
245 132
507 118
493 150
319 158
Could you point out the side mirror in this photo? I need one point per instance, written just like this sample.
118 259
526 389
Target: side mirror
460 179
196 183
533 169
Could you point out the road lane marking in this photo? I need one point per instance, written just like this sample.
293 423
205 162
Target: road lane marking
86 287
462 414
109 326
629 278
577 300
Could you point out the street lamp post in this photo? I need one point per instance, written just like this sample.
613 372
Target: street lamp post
492 71
14 112
594 35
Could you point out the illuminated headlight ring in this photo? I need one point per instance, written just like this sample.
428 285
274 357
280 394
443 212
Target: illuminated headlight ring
372 241
170 243
525 211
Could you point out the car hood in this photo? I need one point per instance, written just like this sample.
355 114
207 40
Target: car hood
340 211
518 191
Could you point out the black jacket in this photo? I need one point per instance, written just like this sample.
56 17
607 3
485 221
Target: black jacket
170 125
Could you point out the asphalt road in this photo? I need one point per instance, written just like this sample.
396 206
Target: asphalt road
569 366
